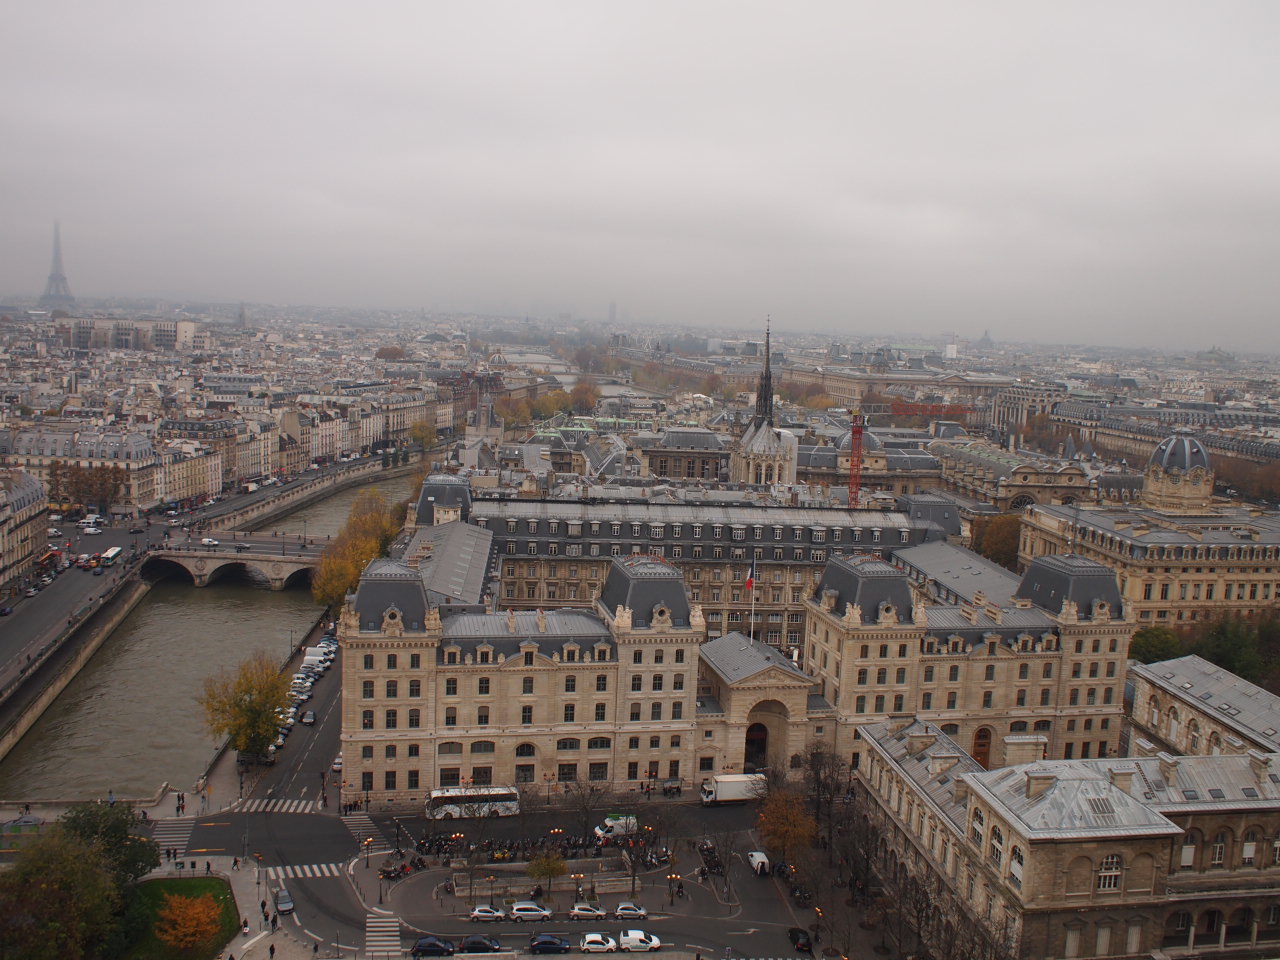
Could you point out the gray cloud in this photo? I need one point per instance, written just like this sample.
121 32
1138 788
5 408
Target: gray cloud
868 168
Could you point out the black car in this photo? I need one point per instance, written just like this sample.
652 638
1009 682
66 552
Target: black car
548 943
5 611
800 939
432 947
479 943
137 530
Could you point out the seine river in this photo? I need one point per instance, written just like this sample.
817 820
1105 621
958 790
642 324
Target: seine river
130 722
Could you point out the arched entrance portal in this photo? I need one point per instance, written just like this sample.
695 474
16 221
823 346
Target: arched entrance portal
982 746
757 752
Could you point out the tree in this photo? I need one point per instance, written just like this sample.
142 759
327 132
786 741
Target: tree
423 433
1153 644
390 353
242 704
58 901
784 824
584 396
997 539
826 777
584 801
547 867
185 923
110 828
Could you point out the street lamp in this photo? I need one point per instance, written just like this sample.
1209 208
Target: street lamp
492 880
368 841
577 884
547 778
671 886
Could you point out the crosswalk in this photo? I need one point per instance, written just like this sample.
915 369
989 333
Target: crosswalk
362 827
381 936
173 834
278 806
309 871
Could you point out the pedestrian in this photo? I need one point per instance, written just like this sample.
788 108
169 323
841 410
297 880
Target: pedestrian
315 948
271 952
235 863
245 927
264 908
208 868
275 920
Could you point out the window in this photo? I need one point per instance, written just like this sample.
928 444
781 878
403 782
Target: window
366 720
570 684
450 716
928 674
1109 872
415 718
655 711
1218 853
391 718
415 688
569 712
451 687
602 682
368 661
567 772
900 675
657 682
366 690
389 780
483 746
637 656
976 824
635 712
526 685
1250 847
990 673
953 673
482 686
526 715
677 681
997 846
599 743
482 716
366 780
391 661
393 689
569 743
677 711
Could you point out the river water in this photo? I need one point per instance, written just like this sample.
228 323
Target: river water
130 721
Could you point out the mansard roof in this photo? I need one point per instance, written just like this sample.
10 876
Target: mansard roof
390 585
644 584
1051 580
866 582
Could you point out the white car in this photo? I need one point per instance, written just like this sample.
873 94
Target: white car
89 531
208 542
586 911
529 910
629 940
627 910
597 943
486 913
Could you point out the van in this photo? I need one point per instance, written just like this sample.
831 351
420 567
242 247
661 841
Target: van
758 863
616 826
93 520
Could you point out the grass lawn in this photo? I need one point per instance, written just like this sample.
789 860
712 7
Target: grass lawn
149 947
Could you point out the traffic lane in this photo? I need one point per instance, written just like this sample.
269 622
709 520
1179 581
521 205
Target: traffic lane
297 772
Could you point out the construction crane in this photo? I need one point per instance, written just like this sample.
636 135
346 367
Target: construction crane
856 424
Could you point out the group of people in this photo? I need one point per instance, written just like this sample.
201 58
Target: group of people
181 804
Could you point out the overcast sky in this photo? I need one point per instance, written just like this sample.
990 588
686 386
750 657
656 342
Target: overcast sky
1104 171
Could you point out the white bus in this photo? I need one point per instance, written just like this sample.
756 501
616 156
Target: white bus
449 803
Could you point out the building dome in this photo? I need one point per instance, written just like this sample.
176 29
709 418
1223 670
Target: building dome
1181 452
443 491
870 442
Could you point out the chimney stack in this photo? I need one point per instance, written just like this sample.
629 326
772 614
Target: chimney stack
1020 748
1260 764
1038 781
916 742
1122 777
1168 768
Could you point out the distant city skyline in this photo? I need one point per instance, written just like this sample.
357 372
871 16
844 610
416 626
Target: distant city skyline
1105 172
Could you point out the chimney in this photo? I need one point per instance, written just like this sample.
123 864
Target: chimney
1168 768
1020 748
940 763
967 611
1122 777
1143 748
1038 781
899 722
1260 764
917 742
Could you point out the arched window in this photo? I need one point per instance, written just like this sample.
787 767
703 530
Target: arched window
1193 735
1153 706
448 747
1043 725
997 846
450 716
569 743
1018 726
599 743
415 718
525 750
951 729
1218 854
976 827
1249 848
1109 872
1173 725
1016 865
1215 744
482 746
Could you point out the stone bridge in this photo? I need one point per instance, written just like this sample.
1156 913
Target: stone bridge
205 564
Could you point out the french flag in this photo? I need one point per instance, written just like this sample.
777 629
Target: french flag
751 575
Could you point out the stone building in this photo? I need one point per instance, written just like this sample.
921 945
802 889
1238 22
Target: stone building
1160 856
764 454
1178 556
1050 662
23 526
1191 706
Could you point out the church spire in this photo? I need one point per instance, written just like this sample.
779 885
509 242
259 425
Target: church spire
764 392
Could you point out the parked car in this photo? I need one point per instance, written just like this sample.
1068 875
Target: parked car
32 591
548 943
486 914
308 718
586 911
5 611
529 910
284 902
800 939
432 947
597 943
629 940
337 764
627 910
479 944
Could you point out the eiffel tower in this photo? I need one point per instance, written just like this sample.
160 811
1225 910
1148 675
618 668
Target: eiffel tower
57 294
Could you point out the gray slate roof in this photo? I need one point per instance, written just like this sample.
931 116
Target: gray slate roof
960 572
457 570
1051 580
867 582
736 657
1236 702
387 584
643 583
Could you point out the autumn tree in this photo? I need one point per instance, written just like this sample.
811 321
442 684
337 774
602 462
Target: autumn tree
997 539
372 524
390 353
784 824
584 396
547 868
58 900
242 703
185 923
423 433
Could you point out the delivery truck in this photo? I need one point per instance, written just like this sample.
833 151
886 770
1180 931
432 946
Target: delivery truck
732 788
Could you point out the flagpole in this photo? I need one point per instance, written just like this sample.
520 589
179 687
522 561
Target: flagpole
751 578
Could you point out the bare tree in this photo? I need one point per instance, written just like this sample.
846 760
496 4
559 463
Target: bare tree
826 777
584 803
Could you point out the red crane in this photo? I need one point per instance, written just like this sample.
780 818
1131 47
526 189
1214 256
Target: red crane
856 424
